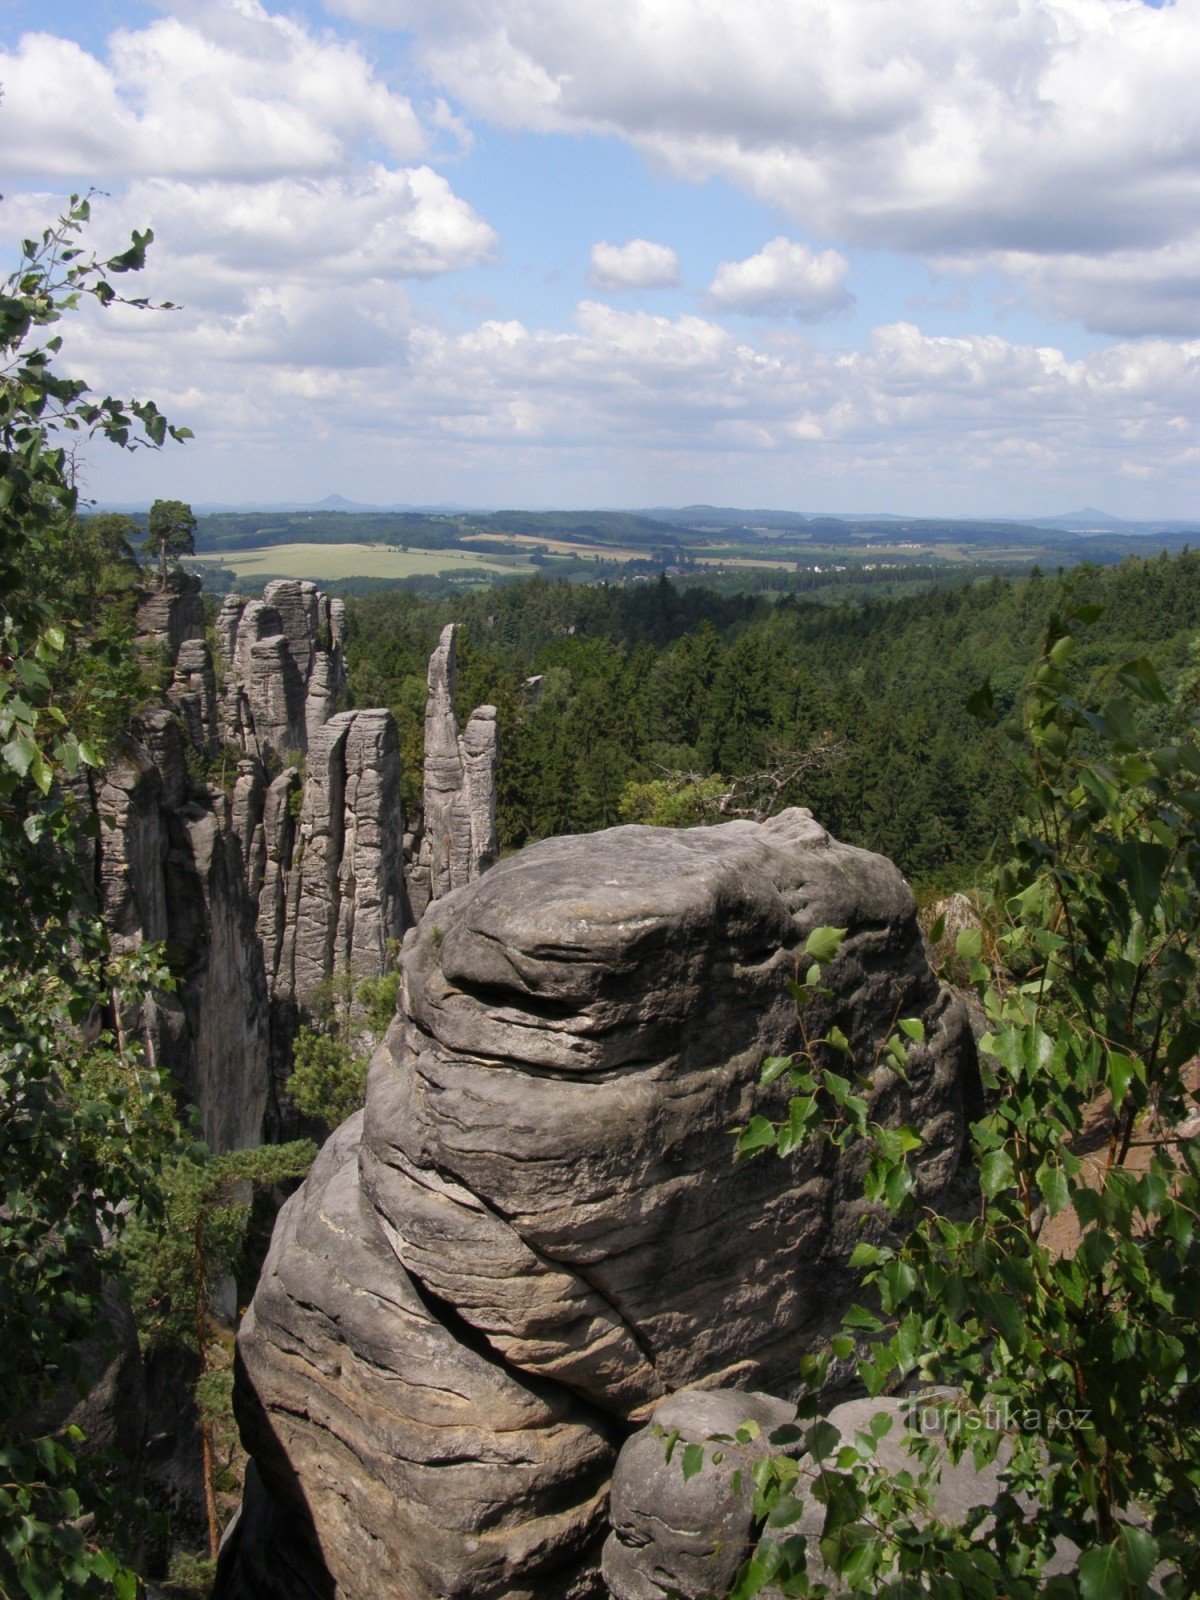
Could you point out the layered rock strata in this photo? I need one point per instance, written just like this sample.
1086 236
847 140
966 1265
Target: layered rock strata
171 871
459 800
171 613
285 666
345 889
538 1232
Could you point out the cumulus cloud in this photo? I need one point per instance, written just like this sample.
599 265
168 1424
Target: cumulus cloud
1051 130
237 92
366 388
640 264
784 279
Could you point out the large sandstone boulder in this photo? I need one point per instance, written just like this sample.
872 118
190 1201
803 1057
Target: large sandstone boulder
539 1231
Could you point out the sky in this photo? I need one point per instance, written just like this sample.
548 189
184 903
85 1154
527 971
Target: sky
826 255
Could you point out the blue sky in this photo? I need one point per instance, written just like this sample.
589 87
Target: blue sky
821 254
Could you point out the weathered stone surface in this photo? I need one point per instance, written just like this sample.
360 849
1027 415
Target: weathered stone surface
225 1071
322 697
585 1025
346 898
370 877
421 1463
545 1166
687 1537
443 765
170 613
298 605
479 759
459 798
172 871
227 627
275 692
249 793
159 732
132 847
193 695
278 835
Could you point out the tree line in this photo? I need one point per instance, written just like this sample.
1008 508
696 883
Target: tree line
610 698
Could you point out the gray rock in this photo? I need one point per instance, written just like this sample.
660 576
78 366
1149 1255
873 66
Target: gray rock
585 1025
170 613
228 618
322 697
278 835
459 799
687 1537
544 1191
298 605
414 1461
275 692
346 898
173 873
158 730
193 695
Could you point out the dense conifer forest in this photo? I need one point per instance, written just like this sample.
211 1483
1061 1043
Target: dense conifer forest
607 694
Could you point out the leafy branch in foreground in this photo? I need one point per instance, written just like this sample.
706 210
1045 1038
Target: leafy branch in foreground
1065 1313
85 1116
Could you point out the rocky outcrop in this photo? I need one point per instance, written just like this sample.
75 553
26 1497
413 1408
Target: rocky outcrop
285 666
345 896
171 613
193 695
171 871
686 1537
459 801
537 1231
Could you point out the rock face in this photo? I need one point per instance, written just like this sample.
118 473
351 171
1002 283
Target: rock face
194 695
172 871
687 1537
677 1539
171 613
459 801
286 669
223 881
345 895
538 1231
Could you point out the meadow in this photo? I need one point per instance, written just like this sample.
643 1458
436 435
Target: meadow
328 562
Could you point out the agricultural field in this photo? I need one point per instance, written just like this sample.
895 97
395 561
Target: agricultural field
325 563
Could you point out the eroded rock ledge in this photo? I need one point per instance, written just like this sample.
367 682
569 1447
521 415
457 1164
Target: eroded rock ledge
536 1231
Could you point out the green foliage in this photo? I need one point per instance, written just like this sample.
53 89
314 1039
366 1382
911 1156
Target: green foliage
377 999
85 1115
170 533
174 1259
328 1081
190 1577
1079 1364
613 701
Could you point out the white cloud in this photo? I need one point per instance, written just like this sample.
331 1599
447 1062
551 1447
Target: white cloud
1056 132
784 279
237 93
640 264
364 390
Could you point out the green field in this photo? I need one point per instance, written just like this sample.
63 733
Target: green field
324 562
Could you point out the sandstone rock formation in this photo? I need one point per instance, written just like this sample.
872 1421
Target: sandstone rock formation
459 800
537 1232
285 668
194 695
346 892
171 613
171 871
685 1539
